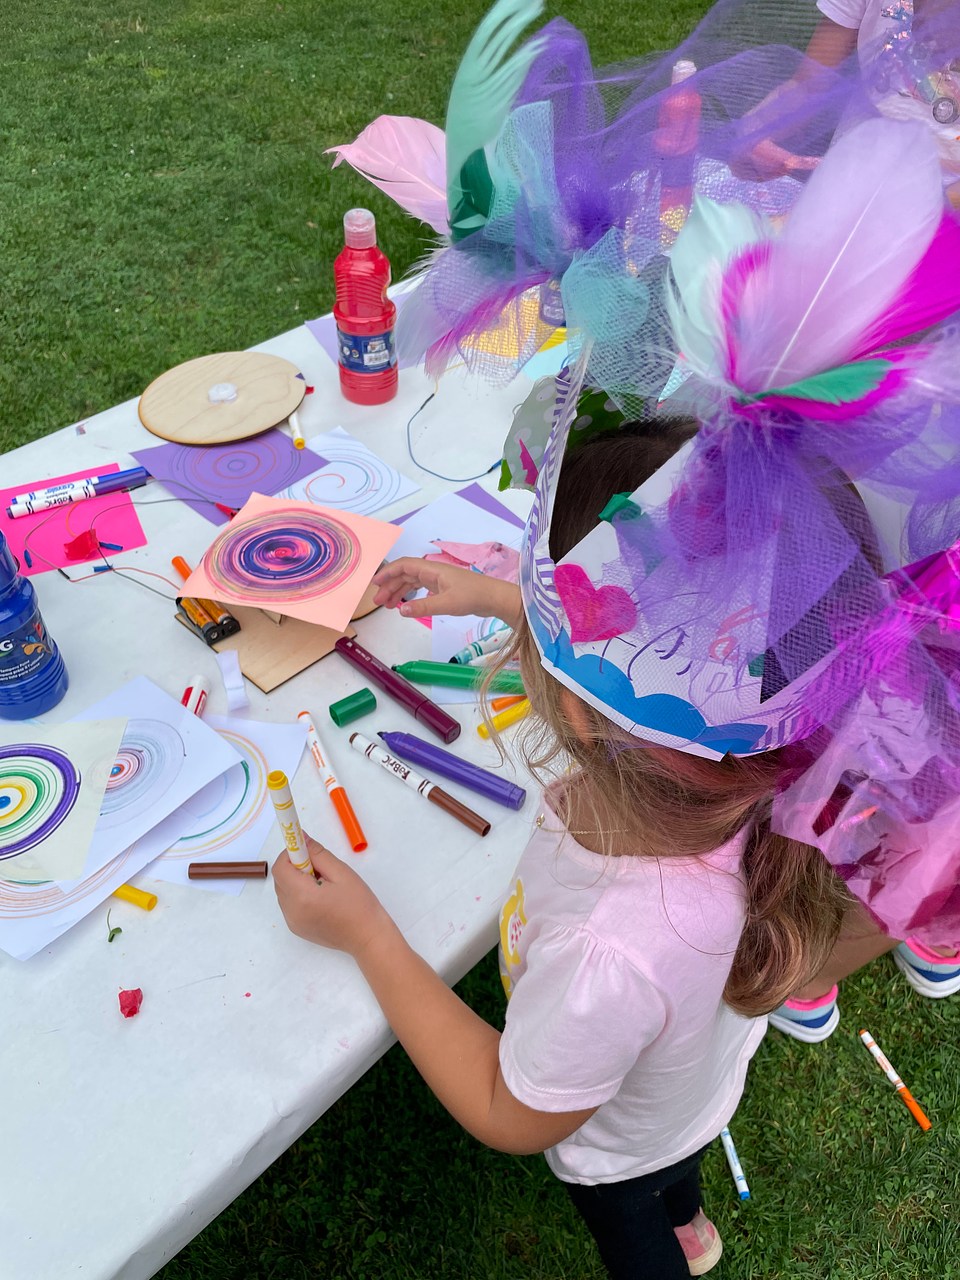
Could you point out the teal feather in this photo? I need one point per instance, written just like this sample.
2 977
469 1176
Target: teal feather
486 83
844 385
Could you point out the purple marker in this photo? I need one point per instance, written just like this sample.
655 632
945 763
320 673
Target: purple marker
409 747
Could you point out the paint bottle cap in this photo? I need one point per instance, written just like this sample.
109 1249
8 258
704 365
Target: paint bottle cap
353 707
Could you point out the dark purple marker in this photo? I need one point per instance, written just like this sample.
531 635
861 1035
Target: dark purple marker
420 707
409 747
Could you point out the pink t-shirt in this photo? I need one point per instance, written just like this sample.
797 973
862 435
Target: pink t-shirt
615 969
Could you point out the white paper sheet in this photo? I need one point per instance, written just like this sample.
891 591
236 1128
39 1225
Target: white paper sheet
352 476
232 817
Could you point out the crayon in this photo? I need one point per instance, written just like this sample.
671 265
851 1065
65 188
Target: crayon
288 822
338 797
423 786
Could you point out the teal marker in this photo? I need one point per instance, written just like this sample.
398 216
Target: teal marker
452 676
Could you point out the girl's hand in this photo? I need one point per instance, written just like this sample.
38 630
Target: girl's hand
452 591
336 910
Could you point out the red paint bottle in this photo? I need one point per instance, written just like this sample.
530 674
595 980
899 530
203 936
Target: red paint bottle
364 314
675 139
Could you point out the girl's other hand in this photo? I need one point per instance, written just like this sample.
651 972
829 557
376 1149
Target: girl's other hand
336 909
452 591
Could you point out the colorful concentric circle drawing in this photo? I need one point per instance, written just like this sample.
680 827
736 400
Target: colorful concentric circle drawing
39 786
274 556
150 758
232 803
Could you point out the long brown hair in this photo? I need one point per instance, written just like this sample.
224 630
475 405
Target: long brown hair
679 804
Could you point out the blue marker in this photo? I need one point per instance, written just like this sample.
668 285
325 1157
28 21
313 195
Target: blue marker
733 1160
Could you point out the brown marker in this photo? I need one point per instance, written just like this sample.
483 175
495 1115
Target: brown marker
227 871
423 786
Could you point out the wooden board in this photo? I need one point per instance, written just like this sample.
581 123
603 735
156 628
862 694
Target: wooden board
271 654
177 406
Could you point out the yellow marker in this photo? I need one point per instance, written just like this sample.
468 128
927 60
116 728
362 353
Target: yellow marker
139 897
510 716
287 820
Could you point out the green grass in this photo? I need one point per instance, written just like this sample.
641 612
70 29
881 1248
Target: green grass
164 193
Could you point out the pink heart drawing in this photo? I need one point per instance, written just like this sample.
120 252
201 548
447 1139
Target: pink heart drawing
594 613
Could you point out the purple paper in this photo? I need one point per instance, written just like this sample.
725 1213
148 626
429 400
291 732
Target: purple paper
204 474
324 329
476 494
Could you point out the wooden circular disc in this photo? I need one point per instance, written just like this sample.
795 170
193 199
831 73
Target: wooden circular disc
177 406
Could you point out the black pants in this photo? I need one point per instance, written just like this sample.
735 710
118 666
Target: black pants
632 1222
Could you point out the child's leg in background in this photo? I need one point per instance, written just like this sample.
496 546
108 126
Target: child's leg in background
860 942
633 1222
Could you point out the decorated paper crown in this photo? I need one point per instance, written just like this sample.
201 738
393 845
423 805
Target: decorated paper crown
739 600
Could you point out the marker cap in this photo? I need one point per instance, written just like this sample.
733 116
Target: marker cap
353 707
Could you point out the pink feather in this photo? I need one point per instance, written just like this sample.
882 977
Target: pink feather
931 293
856 235
406 158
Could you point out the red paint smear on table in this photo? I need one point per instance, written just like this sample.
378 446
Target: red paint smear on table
130 1002
117 522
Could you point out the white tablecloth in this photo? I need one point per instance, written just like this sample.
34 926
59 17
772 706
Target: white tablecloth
120 1140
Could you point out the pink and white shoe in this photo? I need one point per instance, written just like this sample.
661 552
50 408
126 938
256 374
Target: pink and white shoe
931 974
701 1244
808 1020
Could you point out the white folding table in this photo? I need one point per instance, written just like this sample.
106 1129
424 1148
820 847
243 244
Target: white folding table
120 1140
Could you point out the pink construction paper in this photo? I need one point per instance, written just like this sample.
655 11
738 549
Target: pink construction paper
294 558
227 473
46 532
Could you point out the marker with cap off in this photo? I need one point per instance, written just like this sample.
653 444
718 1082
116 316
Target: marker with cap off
288 821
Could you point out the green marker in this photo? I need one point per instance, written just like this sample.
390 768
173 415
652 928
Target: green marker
457 677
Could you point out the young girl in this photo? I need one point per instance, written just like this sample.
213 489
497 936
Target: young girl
745 698
652 921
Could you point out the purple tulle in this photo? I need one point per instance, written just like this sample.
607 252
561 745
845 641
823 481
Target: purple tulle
765 581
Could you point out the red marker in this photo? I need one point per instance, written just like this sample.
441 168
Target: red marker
195 696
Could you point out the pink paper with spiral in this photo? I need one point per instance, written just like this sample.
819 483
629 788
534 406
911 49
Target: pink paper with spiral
294 558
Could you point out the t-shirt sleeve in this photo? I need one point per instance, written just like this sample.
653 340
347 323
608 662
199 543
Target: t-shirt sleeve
579 1017
845 13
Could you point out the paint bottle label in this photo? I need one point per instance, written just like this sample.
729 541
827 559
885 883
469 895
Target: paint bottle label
370 354
26 651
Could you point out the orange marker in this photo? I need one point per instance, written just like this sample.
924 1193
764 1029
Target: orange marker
507 700
884 1063
338 797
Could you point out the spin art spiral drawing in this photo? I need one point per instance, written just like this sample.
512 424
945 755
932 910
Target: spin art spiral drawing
294 558
167 755
227 473
352 477
231 817
52 782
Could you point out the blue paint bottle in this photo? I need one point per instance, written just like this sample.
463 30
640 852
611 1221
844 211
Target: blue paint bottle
32 675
